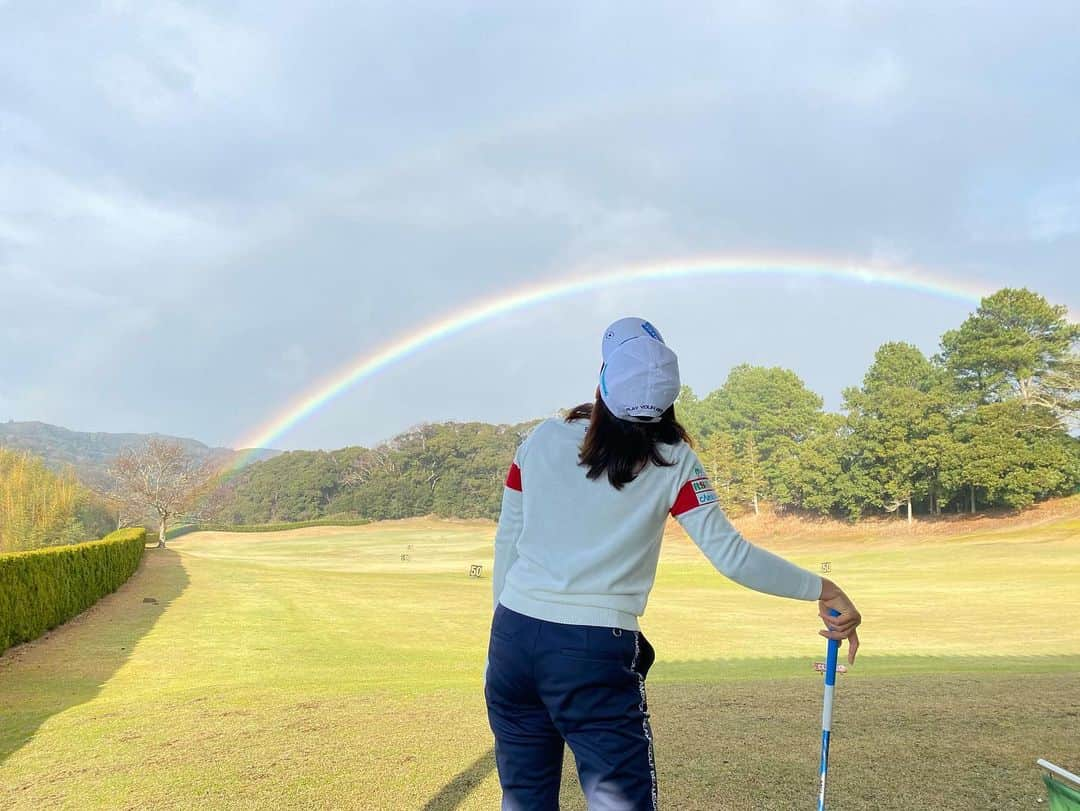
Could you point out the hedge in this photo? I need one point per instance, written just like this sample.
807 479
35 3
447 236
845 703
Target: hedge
317 522
43 588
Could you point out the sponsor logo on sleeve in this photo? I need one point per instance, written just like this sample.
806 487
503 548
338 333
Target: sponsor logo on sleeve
696 492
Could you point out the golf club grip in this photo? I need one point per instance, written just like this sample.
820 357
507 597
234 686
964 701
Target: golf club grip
831 654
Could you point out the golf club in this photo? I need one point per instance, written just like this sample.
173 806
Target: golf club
826 711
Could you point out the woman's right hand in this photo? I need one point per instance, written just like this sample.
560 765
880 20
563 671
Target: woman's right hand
843 626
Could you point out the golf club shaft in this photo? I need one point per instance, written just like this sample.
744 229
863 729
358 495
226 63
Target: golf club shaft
826 711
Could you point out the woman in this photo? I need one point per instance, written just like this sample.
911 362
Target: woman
576 550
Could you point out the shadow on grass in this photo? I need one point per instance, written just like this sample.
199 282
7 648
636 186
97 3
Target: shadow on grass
69 665
454 793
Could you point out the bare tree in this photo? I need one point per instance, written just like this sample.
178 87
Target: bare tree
160 478
366 465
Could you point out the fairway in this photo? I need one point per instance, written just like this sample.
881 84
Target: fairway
317 668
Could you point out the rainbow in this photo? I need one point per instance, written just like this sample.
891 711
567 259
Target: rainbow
370 363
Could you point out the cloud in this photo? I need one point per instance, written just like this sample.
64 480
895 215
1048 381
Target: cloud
878 79
293 366
204 207
1054 212
179 56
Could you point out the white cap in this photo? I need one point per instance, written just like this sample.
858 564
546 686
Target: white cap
623 330
639 380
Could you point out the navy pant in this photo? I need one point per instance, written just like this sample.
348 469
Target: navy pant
549 683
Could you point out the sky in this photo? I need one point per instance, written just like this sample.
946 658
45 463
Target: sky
206 209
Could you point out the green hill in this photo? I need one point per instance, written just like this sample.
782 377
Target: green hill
447 469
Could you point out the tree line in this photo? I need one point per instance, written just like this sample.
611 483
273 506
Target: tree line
987 421
453 470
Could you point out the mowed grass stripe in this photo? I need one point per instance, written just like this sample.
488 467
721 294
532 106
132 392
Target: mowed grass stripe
316 669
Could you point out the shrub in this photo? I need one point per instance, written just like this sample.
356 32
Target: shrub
43 588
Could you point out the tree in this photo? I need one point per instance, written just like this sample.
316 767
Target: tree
1010 462
160 478
1018 346
771 403
768 412
1015 359
690 413
749 475
819 475
37 507
900 429
718 457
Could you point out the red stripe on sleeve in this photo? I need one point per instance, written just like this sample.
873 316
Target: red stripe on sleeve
513 478
686 500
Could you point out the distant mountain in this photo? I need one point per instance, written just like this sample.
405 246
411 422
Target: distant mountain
90 453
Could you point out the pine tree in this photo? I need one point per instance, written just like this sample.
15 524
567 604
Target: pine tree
1015 364
1017 346
900 430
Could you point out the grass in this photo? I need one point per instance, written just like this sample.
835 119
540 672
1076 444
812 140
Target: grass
315 668
187 529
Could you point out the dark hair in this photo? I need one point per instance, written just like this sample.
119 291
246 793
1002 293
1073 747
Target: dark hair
621 448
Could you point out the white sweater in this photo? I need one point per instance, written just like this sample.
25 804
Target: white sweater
577 551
